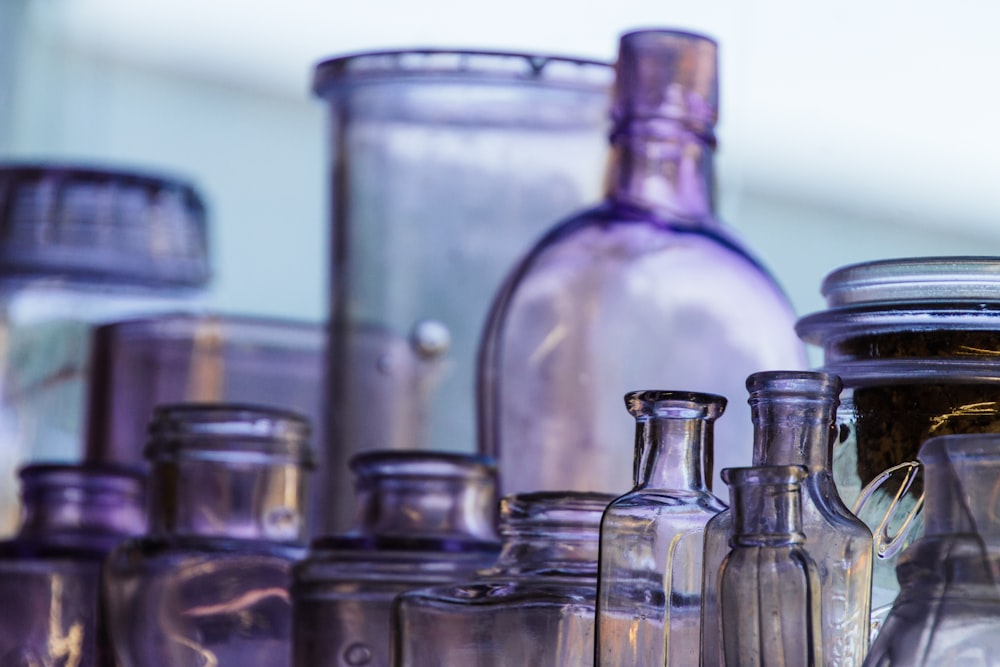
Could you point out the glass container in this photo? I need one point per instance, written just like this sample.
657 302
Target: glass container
916 343
648 288
534 608
652 538
444 167
768 583
793 418
208 357
422 518
79 246
71 517
948 609
208 585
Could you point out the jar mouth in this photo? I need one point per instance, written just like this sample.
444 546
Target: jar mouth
228 432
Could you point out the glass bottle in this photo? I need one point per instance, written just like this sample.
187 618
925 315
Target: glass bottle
80 246
422 518
916 341
534 608
649 590
71 517
444 165
948 609
793 418
209 583
768 583
648 288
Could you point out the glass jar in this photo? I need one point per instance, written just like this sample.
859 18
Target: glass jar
648 288
444 167
209 583
768 583
916 343
71 517
948 609
534 608
649 589
79 246
422 518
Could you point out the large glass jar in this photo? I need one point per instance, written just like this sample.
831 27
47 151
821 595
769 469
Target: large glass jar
534 608
208 585
444 167
79 246
646 289
72 516
422 518
917 344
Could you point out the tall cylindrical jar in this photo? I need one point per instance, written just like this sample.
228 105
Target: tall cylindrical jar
768 583
423 518
916 343
80 245
444 167
948 609
648 288
649 589
72 516
209 583
534 608
793 418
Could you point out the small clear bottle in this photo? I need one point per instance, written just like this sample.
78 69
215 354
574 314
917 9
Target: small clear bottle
209 583
793 417
948 609
647 288
422 518
71 517
649 589
768 584
534 608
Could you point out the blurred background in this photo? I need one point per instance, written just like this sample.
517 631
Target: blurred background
849 131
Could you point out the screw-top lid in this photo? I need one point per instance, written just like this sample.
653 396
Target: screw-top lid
101 225
667 74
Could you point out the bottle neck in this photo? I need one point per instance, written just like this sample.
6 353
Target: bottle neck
246 500
671 453
766 505
550 534
794 418
660 166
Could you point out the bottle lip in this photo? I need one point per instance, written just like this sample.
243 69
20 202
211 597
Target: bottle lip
99 476
794 383
671 404
483 66
906 294
789 476
421 463
228 432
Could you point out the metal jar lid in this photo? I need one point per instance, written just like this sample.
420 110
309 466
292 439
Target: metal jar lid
97 225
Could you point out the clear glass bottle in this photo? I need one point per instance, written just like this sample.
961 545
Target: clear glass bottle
649 589
71 517
768 583
444 166
422 518
648 288
948 609
534 608
80 246
793 418
209 583
916 341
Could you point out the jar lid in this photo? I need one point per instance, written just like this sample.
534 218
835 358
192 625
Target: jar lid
907 294
102 226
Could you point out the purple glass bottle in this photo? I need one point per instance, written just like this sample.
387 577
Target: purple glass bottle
209 584
422 518
648 288
72 516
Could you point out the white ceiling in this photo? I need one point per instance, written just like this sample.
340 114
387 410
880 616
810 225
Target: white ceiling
874 105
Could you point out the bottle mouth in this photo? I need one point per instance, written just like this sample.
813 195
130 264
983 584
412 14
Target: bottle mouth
422 464
817 385
668 404
229 432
